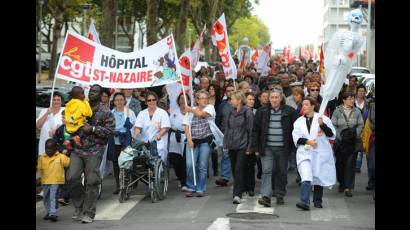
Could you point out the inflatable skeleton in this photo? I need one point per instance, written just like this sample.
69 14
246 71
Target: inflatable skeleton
339 56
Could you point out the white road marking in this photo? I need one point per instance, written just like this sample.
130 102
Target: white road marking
321 214
250 204
220 224
112 209
339 209
193 207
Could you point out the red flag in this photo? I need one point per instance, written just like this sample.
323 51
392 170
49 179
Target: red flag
278 60
322 58
255 56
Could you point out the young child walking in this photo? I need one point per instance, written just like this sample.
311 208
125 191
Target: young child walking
51 167
76 112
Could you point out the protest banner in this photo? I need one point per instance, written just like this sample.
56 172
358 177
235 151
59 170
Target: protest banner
220 40
88 62
263 60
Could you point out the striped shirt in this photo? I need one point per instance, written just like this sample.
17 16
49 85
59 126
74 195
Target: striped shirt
274 136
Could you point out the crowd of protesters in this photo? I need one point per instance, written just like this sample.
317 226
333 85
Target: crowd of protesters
263 122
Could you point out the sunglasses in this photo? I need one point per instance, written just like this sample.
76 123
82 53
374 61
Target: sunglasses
149 100
317 90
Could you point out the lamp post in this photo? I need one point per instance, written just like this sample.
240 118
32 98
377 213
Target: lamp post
369 18
86 6
39 42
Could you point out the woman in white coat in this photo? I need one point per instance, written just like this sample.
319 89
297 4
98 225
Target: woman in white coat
49 120
176 139
152 124
314 156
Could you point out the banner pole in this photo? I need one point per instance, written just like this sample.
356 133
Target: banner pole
186 104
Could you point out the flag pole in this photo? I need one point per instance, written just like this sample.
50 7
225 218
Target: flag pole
186 105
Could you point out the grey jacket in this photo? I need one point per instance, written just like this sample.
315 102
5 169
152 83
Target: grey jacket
356 120
238 129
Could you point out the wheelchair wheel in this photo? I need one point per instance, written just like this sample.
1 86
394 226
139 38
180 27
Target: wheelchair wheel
161 179
123 195
153 194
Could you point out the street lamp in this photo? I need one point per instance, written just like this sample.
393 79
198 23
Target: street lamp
86 6
39 50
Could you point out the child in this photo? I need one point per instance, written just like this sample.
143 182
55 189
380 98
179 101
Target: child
76 112
51 167
64 146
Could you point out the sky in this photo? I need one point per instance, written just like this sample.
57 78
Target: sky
291 22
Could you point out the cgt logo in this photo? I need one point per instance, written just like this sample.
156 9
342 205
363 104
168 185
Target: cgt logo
77 59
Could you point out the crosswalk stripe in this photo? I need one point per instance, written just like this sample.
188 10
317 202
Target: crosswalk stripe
250 204
321 214
220 224
339 208
112 209
193 207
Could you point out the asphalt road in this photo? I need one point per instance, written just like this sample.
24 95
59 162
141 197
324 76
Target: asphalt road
216 211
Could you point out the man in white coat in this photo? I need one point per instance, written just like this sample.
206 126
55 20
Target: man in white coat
314 156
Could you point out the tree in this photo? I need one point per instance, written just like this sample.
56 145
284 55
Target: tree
251 27
60 11
109 12
207 12
152 21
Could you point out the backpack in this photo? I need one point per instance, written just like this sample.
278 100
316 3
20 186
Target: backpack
348 138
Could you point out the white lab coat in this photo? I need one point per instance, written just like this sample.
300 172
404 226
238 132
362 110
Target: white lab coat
315 165
151 127
218 135
176 119
52 122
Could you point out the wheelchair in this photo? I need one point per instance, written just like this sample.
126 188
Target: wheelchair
140 162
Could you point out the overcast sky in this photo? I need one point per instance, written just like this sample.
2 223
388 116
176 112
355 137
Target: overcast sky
292 22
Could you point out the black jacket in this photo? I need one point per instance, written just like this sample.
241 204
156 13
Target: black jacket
261 125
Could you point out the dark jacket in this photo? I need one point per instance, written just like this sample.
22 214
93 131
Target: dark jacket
222 111
238 129
261 125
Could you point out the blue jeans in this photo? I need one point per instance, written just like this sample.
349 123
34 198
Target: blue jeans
359 160
50 199
225 166
305 193
201 157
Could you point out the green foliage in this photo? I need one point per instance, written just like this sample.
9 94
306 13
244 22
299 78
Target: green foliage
251 27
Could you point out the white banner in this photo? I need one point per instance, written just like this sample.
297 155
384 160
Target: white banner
88 62
221 41
263 60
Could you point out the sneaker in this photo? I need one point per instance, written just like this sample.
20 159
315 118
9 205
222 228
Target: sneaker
46 217
63 202
52 218
318 205
200 194
236 200
251 193
303 206
189 194
184 189
348 193
280 201
221 182
86 219
77 214
265 201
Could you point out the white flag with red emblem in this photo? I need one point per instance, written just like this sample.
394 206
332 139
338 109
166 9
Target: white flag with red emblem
92 33
195 50
221 41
